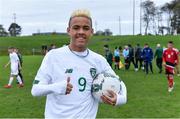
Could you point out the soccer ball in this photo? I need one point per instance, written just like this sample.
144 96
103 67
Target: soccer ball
104 82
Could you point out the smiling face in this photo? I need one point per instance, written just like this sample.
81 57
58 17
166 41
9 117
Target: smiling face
80 30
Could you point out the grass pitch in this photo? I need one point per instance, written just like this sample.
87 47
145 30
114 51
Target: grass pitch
147 94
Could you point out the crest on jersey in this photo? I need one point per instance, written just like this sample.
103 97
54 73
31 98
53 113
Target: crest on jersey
93 72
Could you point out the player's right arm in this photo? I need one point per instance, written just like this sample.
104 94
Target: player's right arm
43 85
164 58
6 64
61 88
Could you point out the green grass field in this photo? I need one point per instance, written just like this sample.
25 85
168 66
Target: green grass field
147 94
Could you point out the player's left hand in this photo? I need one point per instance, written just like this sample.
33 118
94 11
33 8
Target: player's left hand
109 98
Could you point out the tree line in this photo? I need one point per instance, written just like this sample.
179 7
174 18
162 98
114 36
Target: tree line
153 17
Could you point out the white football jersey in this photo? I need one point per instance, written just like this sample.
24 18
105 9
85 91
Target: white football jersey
14 60
61 63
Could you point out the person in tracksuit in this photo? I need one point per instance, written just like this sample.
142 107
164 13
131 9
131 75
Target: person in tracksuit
131 57
139 57
158 55
148 56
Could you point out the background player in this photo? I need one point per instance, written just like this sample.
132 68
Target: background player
14 62
170 60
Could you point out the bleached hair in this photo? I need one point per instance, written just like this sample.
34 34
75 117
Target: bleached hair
81 13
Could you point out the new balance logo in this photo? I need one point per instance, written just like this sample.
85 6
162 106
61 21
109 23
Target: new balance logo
69 71
93 72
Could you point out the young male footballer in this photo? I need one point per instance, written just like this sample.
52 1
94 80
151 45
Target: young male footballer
15 63
170 60
66 74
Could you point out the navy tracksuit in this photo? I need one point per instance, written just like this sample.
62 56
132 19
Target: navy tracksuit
148 56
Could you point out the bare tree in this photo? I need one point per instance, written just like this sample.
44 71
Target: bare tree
173 10
167 8
159 22
175 21
149 12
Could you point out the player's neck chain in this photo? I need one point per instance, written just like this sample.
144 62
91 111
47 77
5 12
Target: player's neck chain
78 54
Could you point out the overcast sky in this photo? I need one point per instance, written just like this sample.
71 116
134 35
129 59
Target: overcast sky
53 15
